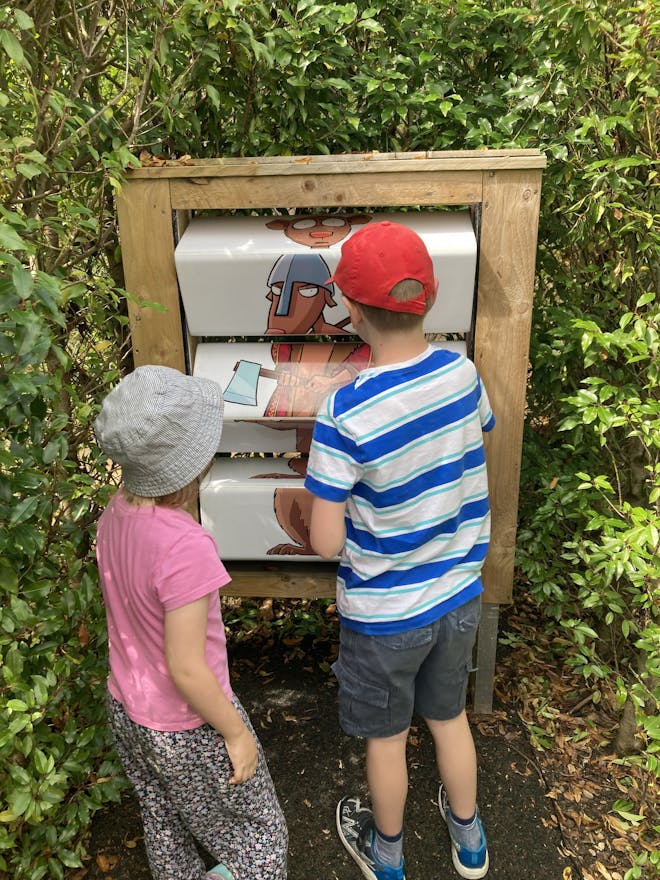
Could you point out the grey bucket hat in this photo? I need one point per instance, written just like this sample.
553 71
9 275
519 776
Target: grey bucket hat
162 427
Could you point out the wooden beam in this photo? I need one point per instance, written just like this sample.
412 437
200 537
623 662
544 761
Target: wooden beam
303 580
507 257
349 163
147 246
357 190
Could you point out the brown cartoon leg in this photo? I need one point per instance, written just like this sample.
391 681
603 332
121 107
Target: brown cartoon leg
293 509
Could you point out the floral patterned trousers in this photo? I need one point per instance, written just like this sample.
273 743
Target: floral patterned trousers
181 779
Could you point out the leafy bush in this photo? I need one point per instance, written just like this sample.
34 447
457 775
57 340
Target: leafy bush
85 88
61 342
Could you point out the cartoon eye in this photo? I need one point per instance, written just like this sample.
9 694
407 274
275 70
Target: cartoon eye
305 223
276 289
308 291
333 221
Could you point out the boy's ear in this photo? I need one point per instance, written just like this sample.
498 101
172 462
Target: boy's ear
435 294
355 313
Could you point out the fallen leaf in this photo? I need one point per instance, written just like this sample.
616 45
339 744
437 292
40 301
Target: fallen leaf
617 825
106 863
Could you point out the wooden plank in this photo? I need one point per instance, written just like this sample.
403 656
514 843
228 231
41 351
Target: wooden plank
374 163
504 314
147 244
486 653
301 580
317 191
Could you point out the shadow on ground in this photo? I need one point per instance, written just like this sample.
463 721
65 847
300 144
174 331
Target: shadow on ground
292 703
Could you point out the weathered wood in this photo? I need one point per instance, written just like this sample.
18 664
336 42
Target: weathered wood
307 190
302 580
504 313
486 654
349 163
147 242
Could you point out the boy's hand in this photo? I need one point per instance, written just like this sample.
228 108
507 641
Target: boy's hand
242 751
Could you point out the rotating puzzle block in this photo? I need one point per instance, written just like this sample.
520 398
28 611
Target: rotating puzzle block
254 275
257 508
270 395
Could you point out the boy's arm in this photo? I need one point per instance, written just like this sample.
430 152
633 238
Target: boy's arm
185 653
328 528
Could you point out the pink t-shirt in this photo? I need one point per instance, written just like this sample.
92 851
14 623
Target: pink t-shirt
152 560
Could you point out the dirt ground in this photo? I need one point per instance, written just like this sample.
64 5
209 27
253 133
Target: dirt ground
292 700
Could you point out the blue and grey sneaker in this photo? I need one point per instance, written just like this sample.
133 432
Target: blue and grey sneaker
355 825
470 863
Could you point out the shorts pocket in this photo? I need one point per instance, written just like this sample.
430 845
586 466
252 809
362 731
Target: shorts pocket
467 616
407 640
355 689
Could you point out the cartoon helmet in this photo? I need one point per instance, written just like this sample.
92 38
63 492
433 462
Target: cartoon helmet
291 268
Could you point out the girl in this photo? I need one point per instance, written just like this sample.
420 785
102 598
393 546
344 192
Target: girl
183 737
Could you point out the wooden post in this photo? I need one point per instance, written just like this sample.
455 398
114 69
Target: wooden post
144 210
486 651
507 256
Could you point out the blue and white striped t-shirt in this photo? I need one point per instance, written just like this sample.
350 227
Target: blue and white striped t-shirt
402 445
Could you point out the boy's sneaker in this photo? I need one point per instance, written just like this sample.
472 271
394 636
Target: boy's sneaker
470 863
355 825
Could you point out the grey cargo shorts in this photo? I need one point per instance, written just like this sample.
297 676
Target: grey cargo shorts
384 679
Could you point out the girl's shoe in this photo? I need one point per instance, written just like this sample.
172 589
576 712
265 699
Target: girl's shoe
219 873
355 825
470 863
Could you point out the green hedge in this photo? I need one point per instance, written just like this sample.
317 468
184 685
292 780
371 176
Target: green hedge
81 95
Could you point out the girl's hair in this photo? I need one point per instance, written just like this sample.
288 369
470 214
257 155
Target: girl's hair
186 496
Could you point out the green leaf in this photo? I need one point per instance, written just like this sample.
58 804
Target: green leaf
23 20
645 299
17 705
19 800
29 170
12 46
23 510
10 239
23 282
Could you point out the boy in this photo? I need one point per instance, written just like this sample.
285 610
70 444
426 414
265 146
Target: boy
398 471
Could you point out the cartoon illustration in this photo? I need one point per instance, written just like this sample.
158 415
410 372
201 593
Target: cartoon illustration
306 372
318 230
299 291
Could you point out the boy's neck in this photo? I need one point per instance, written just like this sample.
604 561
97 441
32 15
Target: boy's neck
395 348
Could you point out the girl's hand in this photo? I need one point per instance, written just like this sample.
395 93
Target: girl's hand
242 751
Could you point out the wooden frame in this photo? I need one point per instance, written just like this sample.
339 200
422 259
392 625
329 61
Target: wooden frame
505 185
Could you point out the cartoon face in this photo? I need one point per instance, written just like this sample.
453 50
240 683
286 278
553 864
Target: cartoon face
319 231
298 292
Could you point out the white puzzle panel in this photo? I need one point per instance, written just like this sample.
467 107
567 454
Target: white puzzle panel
250 276
272 391
257 508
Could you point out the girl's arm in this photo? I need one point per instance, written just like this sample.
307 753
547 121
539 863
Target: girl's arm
185 652
327 531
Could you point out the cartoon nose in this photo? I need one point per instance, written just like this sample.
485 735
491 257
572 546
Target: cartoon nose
319 234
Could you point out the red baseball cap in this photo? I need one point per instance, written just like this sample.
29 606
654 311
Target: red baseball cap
379 256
